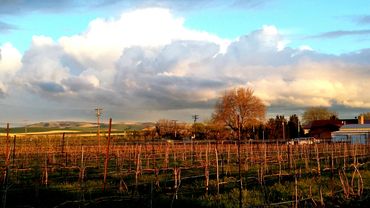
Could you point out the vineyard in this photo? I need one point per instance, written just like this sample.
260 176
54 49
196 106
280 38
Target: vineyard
64 170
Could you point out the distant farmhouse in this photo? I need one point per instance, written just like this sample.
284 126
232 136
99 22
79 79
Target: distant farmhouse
353 133
345 130
322 129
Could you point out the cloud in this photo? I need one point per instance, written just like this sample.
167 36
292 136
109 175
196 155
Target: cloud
43 62
10 59
196 4
22 6
102 44
341 33
365 19
357 57
317 83
170 77
5 27
50 87
174 5
251 4
147 61
81 83
112 54
10 63
11 7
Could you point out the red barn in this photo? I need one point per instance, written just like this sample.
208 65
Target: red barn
322 129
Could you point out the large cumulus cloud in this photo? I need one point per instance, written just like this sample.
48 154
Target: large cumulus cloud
10 63
148 60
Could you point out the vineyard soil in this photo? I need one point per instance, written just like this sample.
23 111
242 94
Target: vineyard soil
70 171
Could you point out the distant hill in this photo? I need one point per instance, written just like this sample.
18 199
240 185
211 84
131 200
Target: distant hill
62 124
79 126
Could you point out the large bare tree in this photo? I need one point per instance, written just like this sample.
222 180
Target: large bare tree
366 115
318 113
240 103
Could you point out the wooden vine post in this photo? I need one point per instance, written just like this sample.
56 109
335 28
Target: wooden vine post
217 172
63 135
7 155
206 170
7 163
7 146
14 142
318 160
239 161
107 155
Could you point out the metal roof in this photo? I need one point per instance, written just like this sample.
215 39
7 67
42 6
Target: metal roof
355 127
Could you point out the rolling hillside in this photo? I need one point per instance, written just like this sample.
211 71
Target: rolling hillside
73 126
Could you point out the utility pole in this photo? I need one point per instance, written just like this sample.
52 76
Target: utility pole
25 125
174 121
195 117
98 112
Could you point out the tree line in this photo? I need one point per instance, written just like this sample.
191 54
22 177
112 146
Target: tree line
239 110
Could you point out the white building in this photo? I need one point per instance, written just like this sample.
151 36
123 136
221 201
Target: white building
352 133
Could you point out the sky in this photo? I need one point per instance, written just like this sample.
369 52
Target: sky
145 60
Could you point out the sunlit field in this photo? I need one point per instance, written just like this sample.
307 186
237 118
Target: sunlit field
69 170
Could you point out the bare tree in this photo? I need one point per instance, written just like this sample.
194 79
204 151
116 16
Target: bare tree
164 127
171 129
240 103
366 115
318 113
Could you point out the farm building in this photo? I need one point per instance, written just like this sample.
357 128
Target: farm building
322 129
352 133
